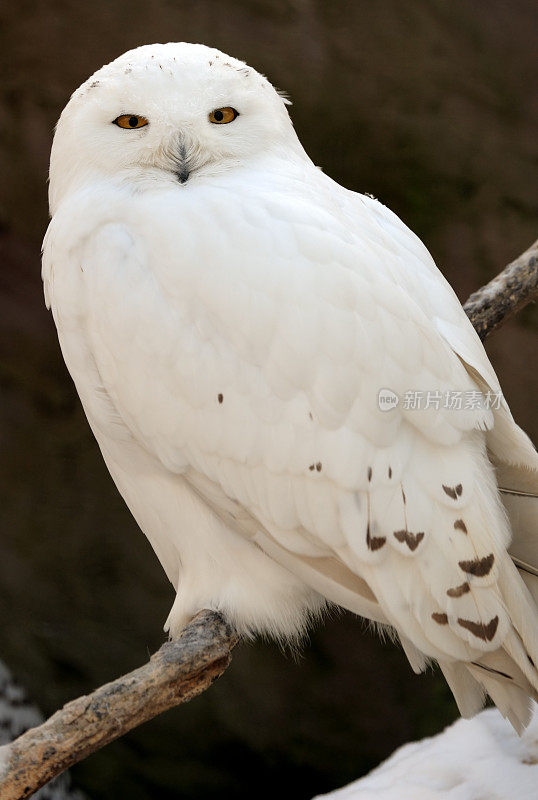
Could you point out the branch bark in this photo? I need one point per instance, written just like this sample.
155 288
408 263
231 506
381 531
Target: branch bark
183 669
177 672
506 294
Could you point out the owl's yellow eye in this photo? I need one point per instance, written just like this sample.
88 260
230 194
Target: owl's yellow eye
130 121
220 116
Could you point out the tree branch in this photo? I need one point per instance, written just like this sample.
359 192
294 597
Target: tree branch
177 672
181 670
506 294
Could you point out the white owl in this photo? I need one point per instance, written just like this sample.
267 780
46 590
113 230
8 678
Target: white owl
230 315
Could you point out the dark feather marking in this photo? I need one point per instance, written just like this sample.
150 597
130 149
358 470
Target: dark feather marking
460 525
412 540
369 474
390 473
480 629
319 466
495 671
220 397
458 591
478 566
441 619
453 491
518 492
312 467
374 542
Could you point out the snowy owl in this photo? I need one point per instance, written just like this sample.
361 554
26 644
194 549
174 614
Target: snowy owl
249 341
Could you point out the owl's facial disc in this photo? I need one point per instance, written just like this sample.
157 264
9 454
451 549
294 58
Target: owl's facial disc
182 113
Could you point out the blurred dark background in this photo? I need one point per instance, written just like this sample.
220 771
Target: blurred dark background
431 106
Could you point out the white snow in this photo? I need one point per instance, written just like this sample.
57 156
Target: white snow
477 759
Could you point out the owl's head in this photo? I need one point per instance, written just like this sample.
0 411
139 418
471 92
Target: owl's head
167 112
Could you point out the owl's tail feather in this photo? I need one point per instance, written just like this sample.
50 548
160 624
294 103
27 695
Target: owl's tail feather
509 675
522 509
515 678
498 674
513 702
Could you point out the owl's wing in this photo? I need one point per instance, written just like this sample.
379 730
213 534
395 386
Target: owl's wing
507 443
509 448
251 361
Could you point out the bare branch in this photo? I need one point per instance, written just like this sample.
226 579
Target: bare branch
177 672
180 670
506 294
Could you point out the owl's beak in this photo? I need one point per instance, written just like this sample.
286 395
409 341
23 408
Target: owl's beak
183 170
183 174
